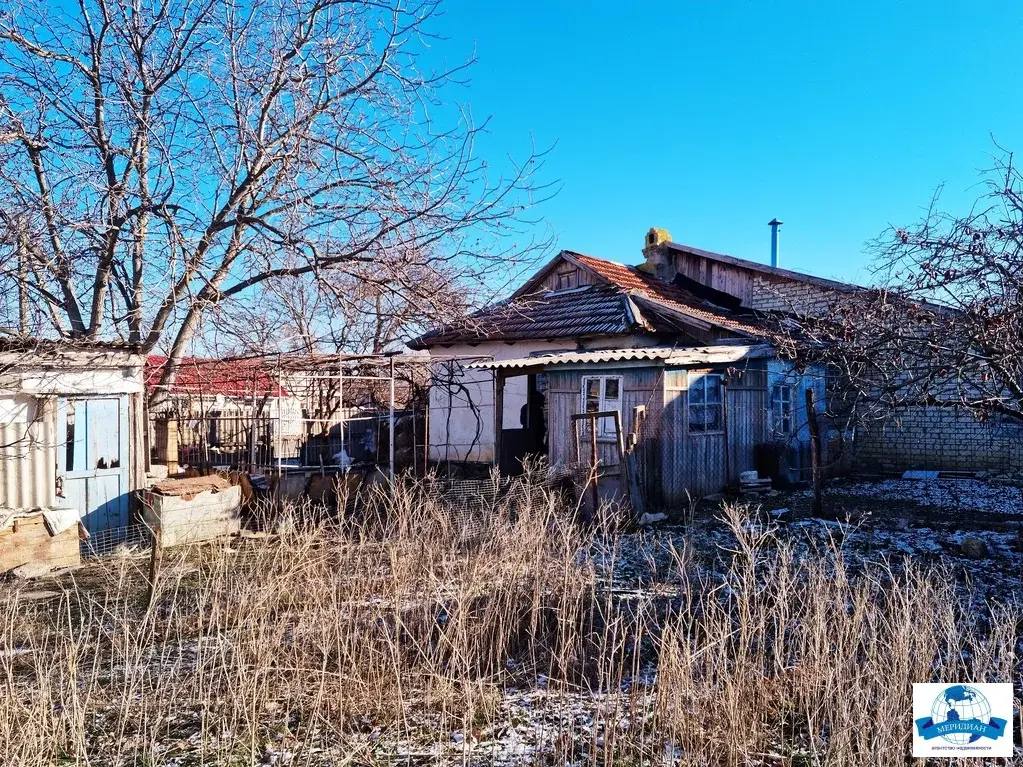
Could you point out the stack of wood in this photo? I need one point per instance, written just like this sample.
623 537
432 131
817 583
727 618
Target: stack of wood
752 487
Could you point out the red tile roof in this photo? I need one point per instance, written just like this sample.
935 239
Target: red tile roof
629 278
230 378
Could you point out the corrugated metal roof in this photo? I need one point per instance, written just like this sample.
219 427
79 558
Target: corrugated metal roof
722 354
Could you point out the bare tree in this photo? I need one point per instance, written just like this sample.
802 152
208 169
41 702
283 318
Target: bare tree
943 326
350 313
164 158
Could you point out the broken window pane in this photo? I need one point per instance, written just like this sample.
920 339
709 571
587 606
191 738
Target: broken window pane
104 433
72 445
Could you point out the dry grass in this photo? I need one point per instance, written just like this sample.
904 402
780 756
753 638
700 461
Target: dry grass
409 633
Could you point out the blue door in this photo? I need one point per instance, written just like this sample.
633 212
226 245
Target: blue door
92 459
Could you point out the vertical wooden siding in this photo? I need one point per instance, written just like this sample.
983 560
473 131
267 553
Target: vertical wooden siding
673 437
673 462
640 386
694 462
697 463
715 274
747 426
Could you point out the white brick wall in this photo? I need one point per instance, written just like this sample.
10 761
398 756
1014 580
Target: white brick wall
944 439
789 296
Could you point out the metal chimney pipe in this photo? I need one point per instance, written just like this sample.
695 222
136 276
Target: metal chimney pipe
774 224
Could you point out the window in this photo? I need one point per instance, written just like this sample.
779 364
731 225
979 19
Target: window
781 409
706 402
602 393
566 280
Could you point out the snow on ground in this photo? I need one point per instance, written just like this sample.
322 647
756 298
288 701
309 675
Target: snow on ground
947 494
893 521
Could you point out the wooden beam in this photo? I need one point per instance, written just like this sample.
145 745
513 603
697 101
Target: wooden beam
498 415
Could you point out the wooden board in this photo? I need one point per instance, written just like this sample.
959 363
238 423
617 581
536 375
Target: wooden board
26 540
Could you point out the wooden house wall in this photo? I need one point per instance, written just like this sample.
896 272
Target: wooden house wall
640 386
694 464
720 276
673 463
747 419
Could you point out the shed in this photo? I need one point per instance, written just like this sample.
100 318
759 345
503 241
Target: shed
71 430
695 414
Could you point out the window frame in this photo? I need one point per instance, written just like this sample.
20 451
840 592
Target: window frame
777 414
605 426
570 278
701 383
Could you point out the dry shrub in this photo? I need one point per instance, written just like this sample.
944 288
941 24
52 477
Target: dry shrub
390 633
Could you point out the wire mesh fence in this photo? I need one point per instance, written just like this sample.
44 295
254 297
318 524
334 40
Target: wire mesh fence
118 540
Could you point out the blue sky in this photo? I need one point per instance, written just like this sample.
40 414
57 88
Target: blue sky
710 118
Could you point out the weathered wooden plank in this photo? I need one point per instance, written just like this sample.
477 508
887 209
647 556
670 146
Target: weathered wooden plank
27 541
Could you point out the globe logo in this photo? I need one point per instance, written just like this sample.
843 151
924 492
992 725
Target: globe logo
961 715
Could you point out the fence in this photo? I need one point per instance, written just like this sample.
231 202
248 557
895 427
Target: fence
263 442
118 540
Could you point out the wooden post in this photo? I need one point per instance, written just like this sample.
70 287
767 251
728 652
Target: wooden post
426 431
594 463
635 491
724 424
815 453
619 436
498 416
390 424
154 563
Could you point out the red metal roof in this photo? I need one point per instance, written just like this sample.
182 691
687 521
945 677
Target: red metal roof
230 378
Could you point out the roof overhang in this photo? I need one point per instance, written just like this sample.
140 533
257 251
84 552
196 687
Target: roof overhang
691 356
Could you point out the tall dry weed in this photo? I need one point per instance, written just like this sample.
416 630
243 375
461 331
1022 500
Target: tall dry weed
389 634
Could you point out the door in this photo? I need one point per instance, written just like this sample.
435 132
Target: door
529 437
93 459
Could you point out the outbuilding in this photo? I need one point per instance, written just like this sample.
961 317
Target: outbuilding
71 435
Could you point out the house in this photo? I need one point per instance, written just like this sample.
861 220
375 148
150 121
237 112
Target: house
680 353
682 336
71 440
914 437
224 411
